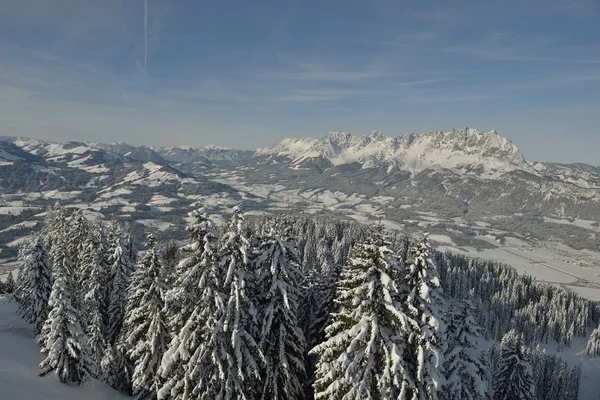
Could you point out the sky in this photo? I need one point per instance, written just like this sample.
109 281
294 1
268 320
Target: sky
246 74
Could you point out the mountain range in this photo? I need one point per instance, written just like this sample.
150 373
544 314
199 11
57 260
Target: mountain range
471 186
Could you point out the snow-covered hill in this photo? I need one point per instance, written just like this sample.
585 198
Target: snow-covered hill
19 366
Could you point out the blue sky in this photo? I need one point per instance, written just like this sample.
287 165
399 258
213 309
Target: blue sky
245 74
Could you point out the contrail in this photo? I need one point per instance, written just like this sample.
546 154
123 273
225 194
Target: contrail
145 36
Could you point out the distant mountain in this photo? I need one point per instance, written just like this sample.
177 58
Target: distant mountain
9 153
464 151
139 153
461 175
207 154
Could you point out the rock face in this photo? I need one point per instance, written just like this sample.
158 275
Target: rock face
464 150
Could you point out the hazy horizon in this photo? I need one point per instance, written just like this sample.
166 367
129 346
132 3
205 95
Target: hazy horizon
250 74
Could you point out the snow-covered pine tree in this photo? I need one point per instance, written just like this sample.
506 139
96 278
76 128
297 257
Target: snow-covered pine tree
171 256
592 347
78 234
145 327
185 290
513 377
120 276
115 364
465 374
55 234
53 221
116 368
35 283
188 364
313 318
236 352
425 301
129 248
365 347
10 284
282 341
62 337
92 281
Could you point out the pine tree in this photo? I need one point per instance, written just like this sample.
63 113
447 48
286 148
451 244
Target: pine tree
53 224
10 284
592 347
145 326
182 297
466 375
365 347
313 317
514 379
35 283
424 300
78 233
235 350
171 256
116 367
120 276
92 281
282 341
188 364
62 336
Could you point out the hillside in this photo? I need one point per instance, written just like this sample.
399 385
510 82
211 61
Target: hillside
19 366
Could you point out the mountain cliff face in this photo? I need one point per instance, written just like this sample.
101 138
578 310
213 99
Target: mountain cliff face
465 151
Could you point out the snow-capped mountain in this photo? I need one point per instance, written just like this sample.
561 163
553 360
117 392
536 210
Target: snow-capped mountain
206 154
464 151
139 153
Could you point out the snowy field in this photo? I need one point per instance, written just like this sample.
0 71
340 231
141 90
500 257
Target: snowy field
19 360
552 263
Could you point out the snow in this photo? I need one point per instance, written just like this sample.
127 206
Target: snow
113 193
457 150
551 263
14 210
19 360
18 242
442 239
155 223
58 195
160 200
26 224
581 223
8 156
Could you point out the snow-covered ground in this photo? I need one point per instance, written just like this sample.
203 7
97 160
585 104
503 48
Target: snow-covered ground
553 263
19 360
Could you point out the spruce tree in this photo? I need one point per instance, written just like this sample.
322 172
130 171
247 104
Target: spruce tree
313 317
92 281
513 376
363 356
145 326
592 347
35 283
120 276
9 285
424 300
188 363
235 349
62 337
282 341
465 373
182 297
116 367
